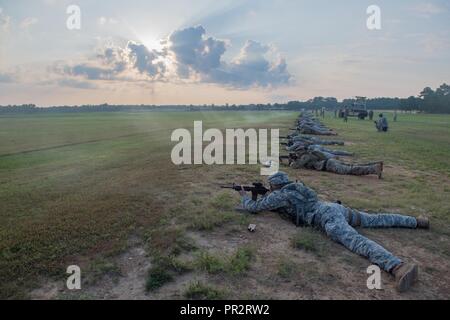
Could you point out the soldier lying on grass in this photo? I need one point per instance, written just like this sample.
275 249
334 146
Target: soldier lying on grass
322 159
338 222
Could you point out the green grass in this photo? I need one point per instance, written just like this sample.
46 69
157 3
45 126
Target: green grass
308 239
416 150
234 265
210 219
164 269
99 268
75 187
286 268
240 262
210 263
200 291
157 277
418 142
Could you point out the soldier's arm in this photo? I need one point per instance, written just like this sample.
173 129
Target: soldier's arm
304 160
273 201
320 155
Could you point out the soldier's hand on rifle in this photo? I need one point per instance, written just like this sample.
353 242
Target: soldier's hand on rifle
242 192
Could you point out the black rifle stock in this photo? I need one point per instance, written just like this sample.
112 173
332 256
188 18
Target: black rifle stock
291 157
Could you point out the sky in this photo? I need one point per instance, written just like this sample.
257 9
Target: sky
218 52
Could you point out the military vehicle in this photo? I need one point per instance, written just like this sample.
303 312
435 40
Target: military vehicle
357 109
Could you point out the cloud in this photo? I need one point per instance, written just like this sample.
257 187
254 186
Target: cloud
90 72
4 21
252 68
28 22
194 52
145 60
187 55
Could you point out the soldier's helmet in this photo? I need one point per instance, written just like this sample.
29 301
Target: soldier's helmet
279 178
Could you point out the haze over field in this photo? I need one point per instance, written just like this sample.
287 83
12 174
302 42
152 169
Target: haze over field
179 52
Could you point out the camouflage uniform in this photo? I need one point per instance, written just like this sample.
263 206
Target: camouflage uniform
322 160
302 204
307 129
314 140
339 167
382 124
316 147
300 146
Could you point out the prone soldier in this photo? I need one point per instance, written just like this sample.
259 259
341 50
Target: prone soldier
339 222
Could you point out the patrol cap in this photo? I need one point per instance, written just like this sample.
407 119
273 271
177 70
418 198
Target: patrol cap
279 178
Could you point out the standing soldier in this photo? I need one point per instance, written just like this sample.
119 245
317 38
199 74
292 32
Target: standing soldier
371 115
346 115
395 116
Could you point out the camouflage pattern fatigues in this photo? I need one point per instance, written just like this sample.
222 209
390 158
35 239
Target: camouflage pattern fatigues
306 124
307 146
339 167
322 160
302 205
314 140
382 124
316 147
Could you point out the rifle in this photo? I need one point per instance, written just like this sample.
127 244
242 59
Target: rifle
291 157
256 189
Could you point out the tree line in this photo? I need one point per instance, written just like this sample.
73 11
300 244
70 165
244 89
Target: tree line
428 101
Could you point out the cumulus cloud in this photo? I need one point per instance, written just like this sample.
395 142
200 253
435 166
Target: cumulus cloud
145 60
188 55
252 68
193 52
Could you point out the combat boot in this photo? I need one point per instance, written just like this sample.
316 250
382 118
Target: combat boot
406 274
423 223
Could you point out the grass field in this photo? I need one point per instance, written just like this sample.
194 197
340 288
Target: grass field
99 190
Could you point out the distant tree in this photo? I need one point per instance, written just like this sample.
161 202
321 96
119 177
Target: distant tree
435 101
